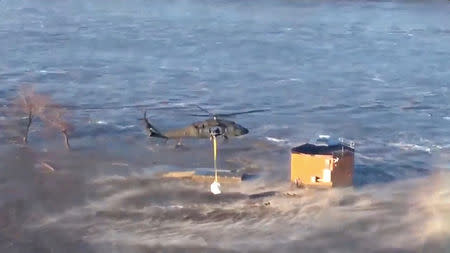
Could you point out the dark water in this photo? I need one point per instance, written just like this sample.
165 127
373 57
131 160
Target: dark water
376 72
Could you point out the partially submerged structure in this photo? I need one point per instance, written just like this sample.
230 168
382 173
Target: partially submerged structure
325 163
207 175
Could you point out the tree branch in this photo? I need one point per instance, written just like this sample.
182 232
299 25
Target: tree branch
66 139
30 120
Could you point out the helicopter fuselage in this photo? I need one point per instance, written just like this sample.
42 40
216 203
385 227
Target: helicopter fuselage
203 129
200 129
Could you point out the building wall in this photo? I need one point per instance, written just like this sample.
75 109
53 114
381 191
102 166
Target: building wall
305 166
342 174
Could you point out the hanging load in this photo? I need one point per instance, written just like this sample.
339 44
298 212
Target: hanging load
325 163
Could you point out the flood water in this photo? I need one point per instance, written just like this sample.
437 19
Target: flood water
375 72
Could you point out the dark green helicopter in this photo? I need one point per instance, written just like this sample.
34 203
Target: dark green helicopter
214 126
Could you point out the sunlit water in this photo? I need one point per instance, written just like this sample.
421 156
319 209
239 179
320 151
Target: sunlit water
374 72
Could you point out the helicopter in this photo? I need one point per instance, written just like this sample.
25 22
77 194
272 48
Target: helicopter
214 126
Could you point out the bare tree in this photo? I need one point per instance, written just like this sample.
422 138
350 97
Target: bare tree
41 106
54 117
32 104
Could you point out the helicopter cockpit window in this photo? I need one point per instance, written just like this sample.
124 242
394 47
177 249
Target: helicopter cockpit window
215 131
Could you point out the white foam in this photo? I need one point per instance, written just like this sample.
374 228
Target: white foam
101 122
125 127
55 71
378 79
276 140
408 146
370 158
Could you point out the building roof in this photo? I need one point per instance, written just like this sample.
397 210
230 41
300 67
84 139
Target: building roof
320 149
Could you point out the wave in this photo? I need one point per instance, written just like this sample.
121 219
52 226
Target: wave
123 127
272 139
138 212
409 147
84 207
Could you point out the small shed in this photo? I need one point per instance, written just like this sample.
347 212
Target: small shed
325 164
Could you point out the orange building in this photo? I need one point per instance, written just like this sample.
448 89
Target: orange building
324 165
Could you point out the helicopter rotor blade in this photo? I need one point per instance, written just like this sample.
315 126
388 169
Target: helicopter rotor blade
239 113
224 115
204 110
200 115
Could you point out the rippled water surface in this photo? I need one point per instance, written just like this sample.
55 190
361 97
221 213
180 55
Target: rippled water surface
376 72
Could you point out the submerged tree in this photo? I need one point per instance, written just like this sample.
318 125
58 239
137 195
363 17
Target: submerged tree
54 118
41 106
32 104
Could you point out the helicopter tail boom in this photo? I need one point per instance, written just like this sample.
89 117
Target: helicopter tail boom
151 130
